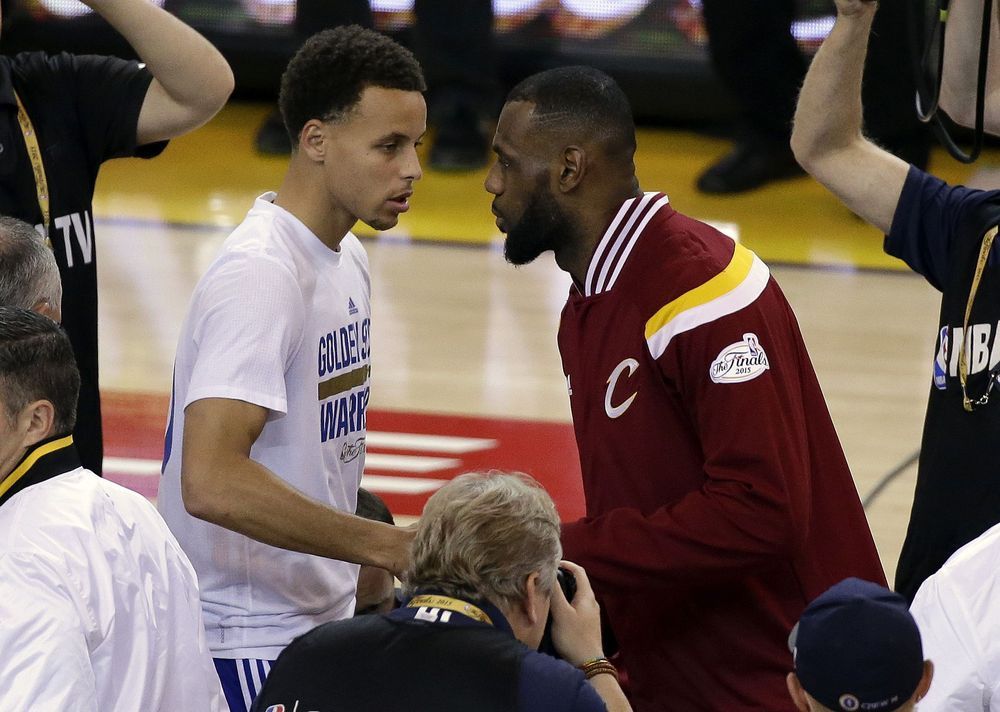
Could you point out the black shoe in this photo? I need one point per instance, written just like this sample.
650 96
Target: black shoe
272 139
749 166
460 144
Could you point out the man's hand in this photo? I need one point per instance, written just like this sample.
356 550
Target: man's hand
852 8
403 555
576 626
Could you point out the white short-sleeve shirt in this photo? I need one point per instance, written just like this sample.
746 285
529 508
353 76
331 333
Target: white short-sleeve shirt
281 321
98 604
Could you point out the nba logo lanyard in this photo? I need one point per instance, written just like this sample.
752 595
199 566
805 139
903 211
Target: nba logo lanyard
35 155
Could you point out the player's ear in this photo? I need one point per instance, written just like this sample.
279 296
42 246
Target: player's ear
572 169
312 140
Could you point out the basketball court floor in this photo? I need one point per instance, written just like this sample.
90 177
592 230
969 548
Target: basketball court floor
466 373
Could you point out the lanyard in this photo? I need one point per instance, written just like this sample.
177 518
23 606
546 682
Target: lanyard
450 604
963 365
35 155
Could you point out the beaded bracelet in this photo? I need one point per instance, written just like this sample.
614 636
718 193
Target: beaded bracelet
599 666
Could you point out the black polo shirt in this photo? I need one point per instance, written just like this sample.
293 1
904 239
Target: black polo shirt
422 659
84 110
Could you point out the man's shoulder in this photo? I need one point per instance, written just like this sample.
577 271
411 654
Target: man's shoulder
257 249
688 251
68 505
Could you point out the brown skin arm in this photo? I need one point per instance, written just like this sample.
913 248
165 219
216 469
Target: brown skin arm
222 485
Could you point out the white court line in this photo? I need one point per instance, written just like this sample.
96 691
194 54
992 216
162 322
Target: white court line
385 484
427 443
408 463
373 461
132 466
400 485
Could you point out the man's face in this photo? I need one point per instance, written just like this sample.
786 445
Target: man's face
371 156
524 204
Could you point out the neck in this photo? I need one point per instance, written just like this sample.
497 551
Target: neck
594 216
302 193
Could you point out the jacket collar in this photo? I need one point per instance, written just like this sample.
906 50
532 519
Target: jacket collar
615 246
45 460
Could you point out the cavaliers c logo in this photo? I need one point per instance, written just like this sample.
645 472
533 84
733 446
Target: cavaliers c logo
615 411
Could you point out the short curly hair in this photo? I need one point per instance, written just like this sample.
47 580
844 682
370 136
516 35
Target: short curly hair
326 77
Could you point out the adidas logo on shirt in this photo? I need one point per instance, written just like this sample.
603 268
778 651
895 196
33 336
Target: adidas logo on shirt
351 308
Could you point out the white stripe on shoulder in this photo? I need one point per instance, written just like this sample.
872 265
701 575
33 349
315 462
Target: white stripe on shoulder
635 238
603 244
623 235
741 296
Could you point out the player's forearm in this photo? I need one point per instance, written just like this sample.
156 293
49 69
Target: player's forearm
829 115
961 65
246 497
191 71
706 537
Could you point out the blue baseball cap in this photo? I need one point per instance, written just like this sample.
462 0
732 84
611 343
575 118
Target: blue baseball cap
856 647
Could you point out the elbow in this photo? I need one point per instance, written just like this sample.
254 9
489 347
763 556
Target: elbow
961 112
217 90
803 149
201 499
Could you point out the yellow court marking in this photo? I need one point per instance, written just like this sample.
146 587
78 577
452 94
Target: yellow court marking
212 176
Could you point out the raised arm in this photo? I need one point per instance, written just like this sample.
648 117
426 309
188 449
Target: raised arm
961 65
827 138
222 485
191 79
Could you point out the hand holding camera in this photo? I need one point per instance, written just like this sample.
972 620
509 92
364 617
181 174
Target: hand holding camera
576 623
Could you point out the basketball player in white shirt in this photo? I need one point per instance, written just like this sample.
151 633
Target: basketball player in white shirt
265 444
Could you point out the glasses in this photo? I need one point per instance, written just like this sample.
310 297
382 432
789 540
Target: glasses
963 352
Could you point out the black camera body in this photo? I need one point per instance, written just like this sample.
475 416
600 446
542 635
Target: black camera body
567 582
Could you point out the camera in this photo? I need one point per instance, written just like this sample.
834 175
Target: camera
567 582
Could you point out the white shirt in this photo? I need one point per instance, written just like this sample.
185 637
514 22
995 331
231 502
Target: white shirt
281 321
958 613
97 604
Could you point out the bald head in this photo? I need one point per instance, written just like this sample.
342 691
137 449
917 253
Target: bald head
580 105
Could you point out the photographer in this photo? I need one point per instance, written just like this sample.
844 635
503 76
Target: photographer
482 584
944 233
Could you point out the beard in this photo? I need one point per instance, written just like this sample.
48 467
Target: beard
543 226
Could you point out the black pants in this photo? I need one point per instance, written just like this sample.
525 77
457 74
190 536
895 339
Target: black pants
454 41
312 16
755 55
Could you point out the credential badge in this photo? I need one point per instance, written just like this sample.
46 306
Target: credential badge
739 362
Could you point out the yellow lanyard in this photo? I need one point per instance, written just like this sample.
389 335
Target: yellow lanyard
450 604
963 365
35 155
